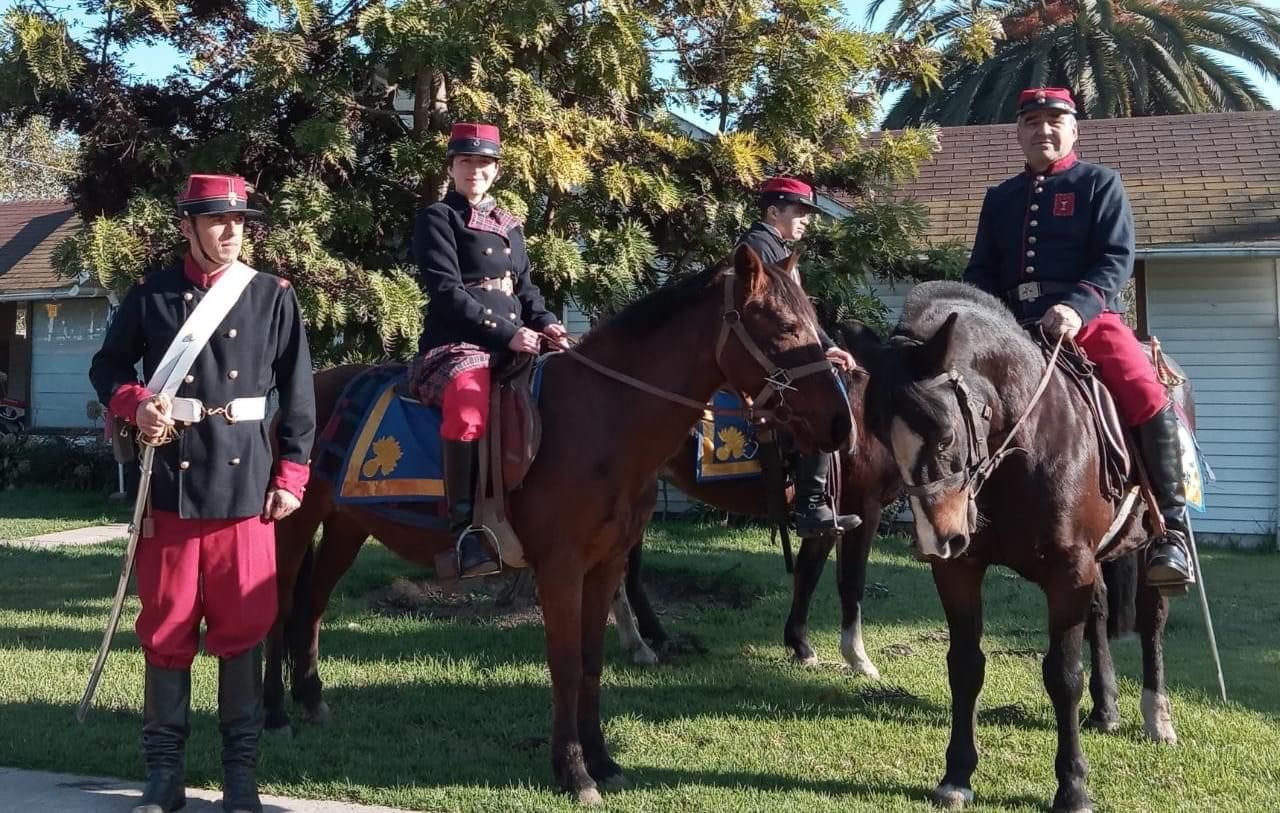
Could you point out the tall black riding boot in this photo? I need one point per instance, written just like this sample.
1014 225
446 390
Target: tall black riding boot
240 716
1168 564
473 548
814 515
166 723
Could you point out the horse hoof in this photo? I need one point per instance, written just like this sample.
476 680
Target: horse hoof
616 782
320 715
590 797
1157 718
808 662
950 797
644 656
1102 725
866 669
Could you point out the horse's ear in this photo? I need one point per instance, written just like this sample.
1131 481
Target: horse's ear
935 354
750 270
791 264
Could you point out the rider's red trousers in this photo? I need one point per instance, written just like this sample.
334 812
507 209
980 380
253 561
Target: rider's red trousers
1124 367
465 406
221 571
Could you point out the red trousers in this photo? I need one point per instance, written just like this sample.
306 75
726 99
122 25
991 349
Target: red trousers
220 570
465 406
1124 367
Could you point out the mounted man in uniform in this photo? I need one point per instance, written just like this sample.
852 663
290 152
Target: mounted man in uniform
207 546
481 303
1056 243
786 207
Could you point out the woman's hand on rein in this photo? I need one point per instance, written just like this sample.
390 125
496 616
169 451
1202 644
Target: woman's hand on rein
556 335
525 341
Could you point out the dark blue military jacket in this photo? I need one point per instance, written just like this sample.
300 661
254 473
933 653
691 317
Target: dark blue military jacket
766 243
1069 229
217 470
477 279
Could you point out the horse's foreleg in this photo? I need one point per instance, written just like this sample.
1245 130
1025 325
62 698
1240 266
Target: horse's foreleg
647 622
1069 607
809 564
1102 673
959 586
629 630
293 543
851 579
336 552
560 587
1153 612
599 585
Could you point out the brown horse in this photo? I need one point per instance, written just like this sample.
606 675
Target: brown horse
590 491
869 481
958 376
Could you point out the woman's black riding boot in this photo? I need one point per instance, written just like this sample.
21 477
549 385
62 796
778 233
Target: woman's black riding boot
240 716
474 558
166 723
1168 564
814 516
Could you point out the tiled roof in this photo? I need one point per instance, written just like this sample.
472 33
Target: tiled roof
29 231
1203 178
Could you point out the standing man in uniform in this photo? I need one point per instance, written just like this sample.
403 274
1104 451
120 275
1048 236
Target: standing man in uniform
1056 243
786 207
208 548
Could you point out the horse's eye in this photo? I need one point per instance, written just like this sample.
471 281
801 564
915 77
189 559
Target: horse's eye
790 327
945 444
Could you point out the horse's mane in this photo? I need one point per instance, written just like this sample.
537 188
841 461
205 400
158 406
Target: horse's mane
986 331
654 310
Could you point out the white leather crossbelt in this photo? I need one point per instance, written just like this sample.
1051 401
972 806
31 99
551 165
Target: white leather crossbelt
193 410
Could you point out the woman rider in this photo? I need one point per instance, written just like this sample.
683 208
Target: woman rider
472 260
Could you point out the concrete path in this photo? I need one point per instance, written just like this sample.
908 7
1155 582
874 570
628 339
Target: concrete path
64 793
92 535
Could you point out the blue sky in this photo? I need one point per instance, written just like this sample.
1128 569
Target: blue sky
157 61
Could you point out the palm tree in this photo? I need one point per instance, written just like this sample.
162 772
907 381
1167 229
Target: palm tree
1118 57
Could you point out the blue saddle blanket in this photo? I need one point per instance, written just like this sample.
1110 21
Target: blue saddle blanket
382 449
727 445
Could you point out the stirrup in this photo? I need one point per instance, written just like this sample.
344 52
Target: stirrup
496 560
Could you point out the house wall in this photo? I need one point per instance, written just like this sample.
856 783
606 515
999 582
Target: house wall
64 335
1218 318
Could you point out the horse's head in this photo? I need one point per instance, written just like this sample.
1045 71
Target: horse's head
769 351
938 396
926 431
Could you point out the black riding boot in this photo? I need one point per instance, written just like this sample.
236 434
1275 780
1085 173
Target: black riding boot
814 516
166 723
473 548
1168 564
240 716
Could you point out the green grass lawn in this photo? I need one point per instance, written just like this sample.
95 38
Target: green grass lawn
33 511
448 715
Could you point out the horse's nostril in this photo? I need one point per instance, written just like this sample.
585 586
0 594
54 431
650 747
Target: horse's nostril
955 545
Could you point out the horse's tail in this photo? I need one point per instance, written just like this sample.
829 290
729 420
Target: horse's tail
1121 579
297 628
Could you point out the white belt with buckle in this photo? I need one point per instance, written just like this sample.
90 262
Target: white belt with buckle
193 410
1028 291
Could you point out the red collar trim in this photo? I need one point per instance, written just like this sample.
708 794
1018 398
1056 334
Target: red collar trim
196 275
1063 164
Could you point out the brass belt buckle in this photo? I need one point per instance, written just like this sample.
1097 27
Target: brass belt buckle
1028 291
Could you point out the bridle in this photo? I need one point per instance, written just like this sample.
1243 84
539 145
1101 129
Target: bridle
979 464
777 381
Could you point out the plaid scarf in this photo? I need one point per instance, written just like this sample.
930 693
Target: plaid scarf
487 216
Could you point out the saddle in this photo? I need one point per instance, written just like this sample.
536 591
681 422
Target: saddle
1121 480
507 452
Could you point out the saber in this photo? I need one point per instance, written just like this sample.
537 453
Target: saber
1204 610
126 568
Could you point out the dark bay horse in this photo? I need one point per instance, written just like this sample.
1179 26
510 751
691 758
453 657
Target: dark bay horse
591 489
957 376
869 481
